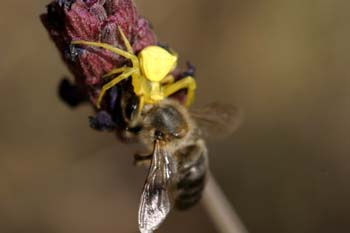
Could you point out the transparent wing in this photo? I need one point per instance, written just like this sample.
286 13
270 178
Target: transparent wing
217 120
156 201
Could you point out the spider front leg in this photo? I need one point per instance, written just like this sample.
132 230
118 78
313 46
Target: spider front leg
186 83
126 74
125 40
115 50
116 71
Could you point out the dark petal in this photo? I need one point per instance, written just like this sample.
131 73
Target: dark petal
102 122
54 16
71 94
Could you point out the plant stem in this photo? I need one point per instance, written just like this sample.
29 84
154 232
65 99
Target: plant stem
220 210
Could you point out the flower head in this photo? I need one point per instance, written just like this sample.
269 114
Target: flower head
95 20
98 21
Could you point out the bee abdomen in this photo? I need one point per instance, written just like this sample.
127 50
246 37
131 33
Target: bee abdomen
192 180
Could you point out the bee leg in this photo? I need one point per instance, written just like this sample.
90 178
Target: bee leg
186 83
142 160
71 94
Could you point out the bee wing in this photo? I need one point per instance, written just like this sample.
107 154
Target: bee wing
156 202
217 120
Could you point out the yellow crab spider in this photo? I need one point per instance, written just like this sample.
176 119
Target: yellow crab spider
150 73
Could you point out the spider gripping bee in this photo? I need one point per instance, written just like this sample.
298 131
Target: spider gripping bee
176 152
150 73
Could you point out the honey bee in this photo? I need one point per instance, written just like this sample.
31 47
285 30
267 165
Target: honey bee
178 158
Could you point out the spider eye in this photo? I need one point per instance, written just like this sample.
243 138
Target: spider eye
156 62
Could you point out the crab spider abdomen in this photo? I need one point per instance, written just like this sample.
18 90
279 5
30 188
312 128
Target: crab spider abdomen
156 63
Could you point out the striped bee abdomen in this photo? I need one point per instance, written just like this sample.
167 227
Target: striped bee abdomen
192 175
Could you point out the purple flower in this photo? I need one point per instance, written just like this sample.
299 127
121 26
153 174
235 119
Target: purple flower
95 20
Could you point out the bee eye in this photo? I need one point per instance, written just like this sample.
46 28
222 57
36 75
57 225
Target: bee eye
129 106
131 110
159 135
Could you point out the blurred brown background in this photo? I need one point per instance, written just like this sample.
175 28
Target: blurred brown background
284 63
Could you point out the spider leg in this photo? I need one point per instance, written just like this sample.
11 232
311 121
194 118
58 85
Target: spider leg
108 47
168 80
116 71
186 83
112 83
135 60
126 42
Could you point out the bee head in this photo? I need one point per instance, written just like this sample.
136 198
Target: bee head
166 122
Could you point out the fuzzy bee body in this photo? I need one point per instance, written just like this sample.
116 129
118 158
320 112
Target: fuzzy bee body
173 124
176 154
179 141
